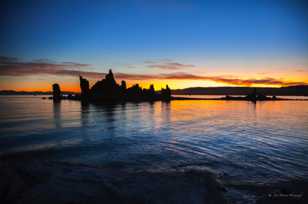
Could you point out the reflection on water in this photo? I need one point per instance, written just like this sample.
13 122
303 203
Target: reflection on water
260 142
57 115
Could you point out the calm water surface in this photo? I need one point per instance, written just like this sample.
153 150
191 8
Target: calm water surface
260 143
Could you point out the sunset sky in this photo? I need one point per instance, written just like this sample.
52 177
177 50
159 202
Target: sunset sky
182 43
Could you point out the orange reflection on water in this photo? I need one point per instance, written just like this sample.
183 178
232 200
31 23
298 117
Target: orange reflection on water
191 109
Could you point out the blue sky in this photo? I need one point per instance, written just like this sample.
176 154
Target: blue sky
217 37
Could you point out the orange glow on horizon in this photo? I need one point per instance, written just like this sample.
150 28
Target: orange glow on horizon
72 84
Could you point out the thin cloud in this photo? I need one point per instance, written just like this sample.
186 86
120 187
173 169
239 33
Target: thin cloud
164 60
14 67
302 70
167 64
126 76
149 62
234 81
131 66
11 66
4 59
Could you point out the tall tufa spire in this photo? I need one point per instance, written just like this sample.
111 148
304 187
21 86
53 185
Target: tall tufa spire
110 78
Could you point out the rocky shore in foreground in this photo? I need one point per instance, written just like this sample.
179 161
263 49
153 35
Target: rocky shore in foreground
62 183
34 181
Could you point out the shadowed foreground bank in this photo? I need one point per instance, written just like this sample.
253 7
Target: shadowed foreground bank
24 181
64 183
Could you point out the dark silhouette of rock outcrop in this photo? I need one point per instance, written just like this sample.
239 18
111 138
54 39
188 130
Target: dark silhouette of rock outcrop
133 93
123 87
107 90
166 93
56 92
255 96
84 87
150 93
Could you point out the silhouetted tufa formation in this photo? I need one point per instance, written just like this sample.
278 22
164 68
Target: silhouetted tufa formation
84 87
56 92
107 90
166 93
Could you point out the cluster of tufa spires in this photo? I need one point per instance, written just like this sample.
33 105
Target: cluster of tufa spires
107 90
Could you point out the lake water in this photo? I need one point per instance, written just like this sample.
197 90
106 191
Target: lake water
266 142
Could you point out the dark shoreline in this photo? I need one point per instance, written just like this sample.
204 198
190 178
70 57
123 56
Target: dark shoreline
28 180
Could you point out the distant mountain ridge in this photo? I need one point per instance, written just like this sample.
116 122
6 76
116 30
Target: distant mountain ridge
301 90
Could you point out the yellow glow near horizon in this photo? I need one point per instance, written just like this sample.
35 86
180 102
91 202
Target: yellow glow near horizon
72 83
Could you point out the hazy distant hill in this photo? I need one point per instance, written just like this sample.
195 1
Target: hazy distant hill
284 91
